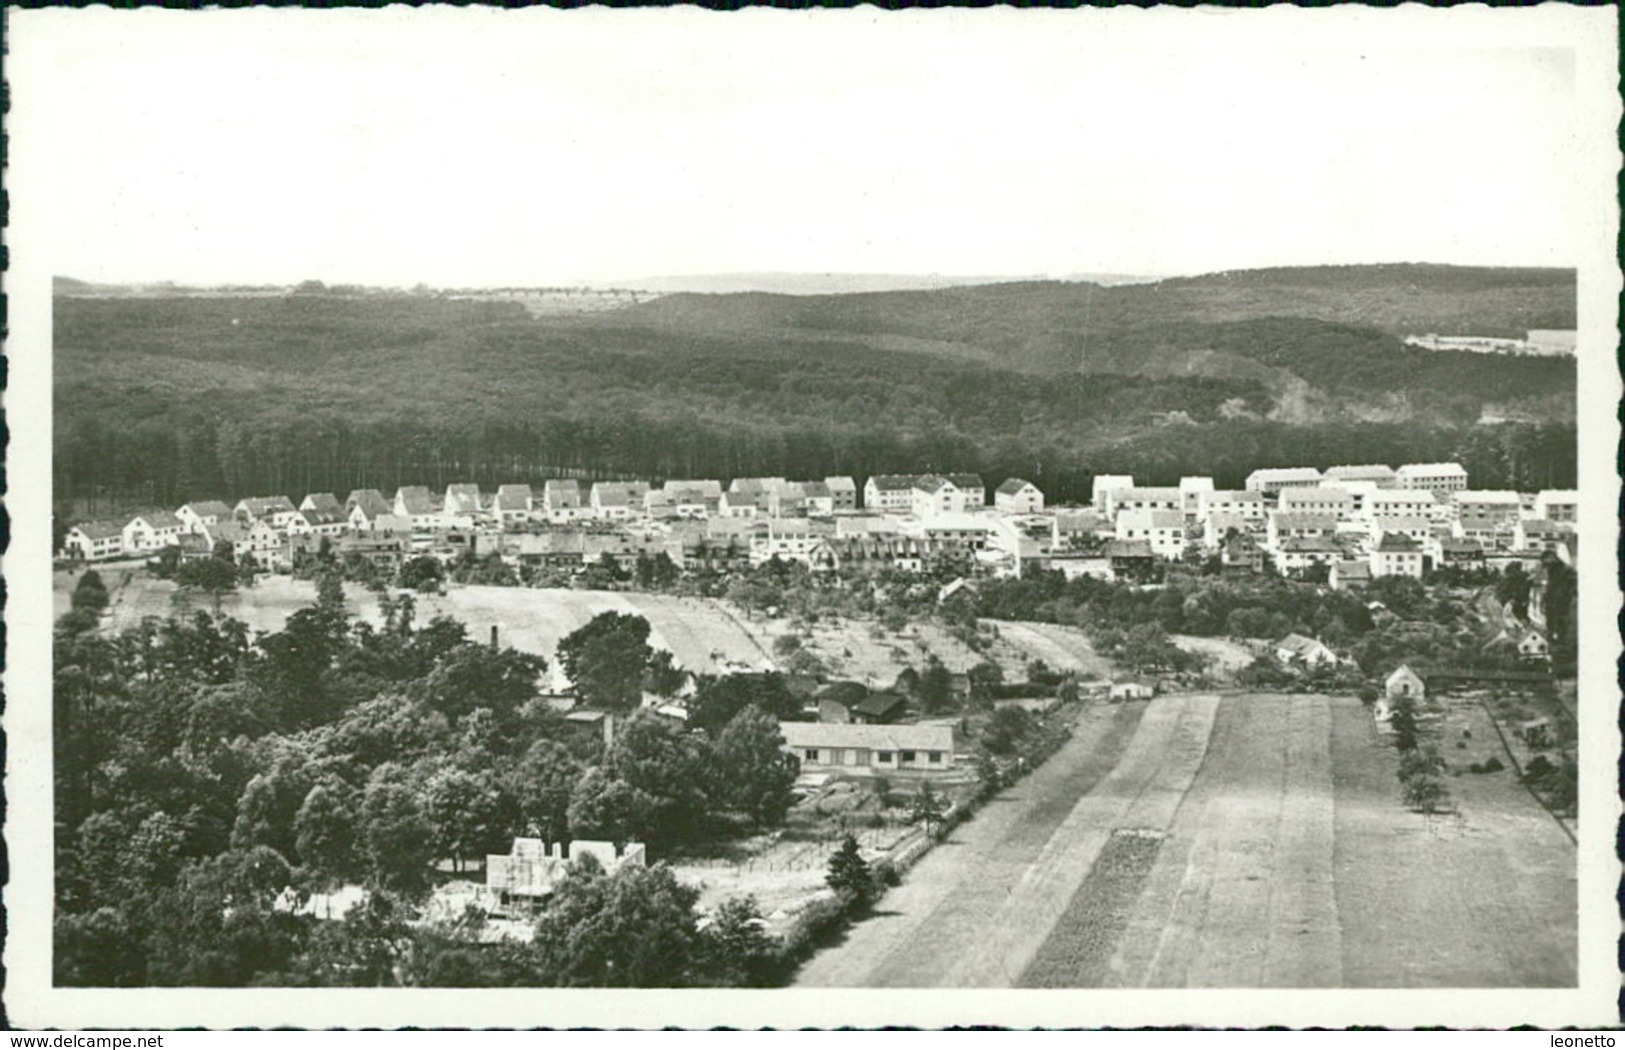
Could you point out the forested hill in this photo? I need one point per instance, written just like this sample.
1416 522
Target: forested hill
160 400
1055 326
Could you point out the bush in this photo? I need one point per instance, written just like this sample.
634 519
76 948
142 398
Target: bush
1489 765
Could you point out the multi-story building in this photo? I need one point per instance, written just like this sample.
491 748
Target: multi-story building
1273 479
1434 477
1561 506
1104 484
1317 499
889 492
1396 555
1018 496
1164 530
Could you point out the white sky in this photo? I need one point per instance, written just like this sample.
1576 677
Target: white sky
486 147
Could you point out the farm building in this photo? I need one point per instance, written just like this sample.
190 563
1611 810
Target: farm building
530 870
1132 689
862 748
1404 682
1310 652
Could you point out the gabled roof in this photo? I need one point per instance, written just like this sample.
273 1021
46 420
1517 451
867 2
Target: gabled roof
840 483
206 508
1362 472
815 490
462 498
1541 527
1352 570
513 497
324 501
710 488
880 704
1432 469
371 502
892 482
159 519
1316 494
98 530
415 499
562 489
1300 645
1128 549
966 481
1160 492
1393 542
1012 486
258 505
932 483
322 517
1309 545
1263 474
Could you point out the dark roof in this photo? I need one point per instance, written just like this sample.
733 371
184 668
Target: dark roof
324 501
258 505
322 517
966 481
844 693
880 704
204 508
415 499
892 482
1011 486
1397 541
1128 549
930 483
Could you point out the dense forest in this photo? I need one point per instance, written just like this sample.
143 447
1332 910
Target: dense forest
160 400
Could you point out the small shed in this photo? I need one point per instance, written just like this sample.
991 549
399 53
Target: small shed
1403 683
1133 689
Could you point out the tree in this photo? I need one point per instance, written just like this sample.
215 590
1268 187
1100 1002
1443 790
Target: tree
935 687
752 769
605 659
849 874
541 783
423 574
603 807
1006 730
90 593
927 807
395 835
209 575
1402 720
1424 792
476 676
632 929
325 833
330 594
736 948
662 676
718 700
469 815
666 768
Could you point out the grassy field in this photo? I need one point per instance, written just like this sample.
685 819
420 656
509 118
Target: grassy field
1243 841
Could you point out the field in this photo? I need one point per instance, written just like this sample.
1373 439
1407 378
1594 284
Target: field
1231 841
704 635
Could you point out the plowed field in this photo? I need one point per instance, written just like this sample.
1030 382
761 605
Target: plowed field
1248 841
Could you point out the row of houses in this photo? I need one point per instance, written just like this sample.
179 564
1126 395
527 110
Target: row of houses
417 509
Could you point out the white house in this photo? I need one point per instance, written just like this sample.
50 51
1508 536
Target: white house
889 492
1401 503
1295 554
416 505
1379 474
1557 505
461 507
869 748
94 541
1537 534
1285 525
617 500
843 492
1164 530
972 493
152 531
1104 484
1317 499
322 501
205 512
561 499
816 499
1192 489
1154 498
273 509
1403 683
1132 689
934 494
1248 505
512 505
318 523
1274 479
530 871
1018 496
1396 555
1434 477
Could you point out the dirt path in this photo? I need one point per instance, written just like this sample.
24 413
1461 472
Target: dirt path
942 909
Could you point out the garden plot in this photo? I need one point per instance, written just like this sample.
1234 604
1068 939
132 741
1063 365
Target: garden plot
1063 648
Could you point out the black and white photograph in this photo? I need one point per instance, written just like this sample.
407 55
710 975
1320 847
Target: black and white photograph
812 518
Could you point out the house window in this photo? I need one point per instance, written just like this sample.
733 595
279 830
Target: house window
935 757
883 756
810 754
908 756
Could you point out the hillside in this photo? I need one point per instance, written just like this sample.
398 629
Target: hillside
166 398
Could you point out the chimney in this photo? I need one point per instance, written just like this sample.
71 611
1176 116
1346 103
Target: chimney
493 638
609 730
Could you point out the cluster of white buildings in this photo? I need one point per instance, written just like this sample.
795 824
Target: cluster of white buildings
1360 522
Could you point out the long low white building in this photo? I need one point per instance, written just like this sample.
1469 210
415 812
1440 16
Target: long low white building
862 748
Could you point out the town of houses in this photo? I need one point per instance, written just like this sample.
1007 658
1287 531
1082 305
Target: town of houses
1354 523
